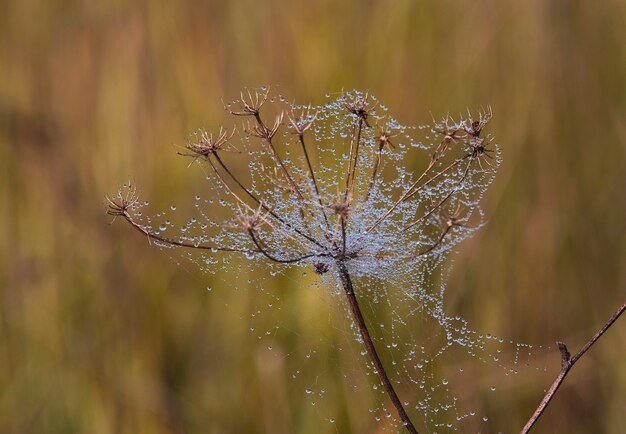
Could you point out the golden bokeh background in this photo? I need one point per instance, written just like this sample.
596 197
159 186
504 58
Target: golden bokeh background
102 333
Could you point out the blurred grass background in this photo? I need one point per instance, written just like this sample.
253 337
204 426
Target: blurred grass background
100 333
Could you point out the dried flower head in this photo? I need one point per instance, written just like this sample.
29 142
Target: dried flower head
301 120
341 208
473 127
361 107
251 221
391 220
123 201
203 144
250 102
258 129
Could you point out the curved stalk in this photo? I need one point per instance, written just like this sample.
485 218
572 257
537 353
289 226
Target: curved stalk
567 362
346 281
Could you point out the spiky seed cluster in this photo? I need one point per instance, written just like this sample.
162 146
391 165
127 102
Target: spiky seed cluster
361 108
453 218
123 201
251 222
301 121
250 102
207 144
261 131
384 140
341 208
476 126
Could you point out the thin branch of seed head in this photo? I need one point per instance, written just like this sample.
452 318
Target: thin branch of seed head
377 159
437 175
343 236
433 246
273 258
402 198
342 209
229 189
354 160
265 208
259 202
252 107
300 125
267 134
358 109
276 180
251 224
450 220
413 189
124 213
448 196
384 141
263 132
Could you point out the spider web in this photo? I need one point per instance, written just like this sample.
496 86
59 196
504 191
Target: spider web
450 377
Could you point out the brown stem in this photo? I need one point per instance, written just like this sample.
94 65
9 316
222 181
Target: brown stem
343 234
277 158
410 192
567 363
371 350
284 170
271 257
351 164
432 246
268 138
317 190
257 201
374 172
171 242
441 172
442 201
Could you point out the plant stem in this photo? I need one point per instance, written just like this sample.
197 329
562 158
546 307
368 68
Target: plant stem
567 362
369 345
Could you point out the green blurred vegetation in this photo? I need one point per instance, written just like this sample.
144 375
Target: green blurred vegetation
101 333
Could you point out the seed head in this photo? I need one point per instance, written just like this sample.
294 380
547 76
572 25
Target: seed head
123 201
341 208
251 102
207 144
250 221
301 121
361 108
473 127
396 228
328 164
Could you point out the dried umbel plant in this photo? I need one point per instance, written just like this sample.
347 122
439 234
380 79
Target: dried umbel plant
328 188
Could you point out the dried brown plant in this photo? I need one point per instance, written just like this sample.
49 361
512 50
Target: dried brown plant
383 224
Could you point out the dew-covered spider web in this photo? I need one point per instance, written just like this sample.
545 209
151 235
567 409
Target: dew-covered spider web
295 190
